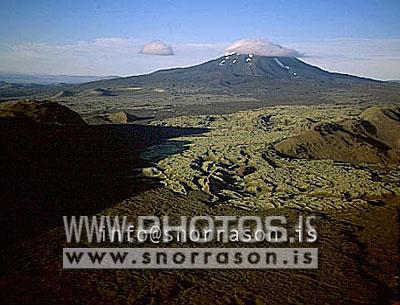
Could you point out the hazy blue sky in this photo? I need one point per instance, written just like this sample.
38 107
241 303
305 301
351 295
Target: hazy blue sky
105 37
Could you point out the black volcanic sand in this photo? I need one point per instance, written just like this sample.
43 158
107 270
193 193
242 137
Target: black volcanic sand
53 170
31 111
358 252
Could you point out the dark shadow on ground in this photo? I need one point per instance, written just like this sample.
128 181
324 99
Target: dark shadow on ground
48 171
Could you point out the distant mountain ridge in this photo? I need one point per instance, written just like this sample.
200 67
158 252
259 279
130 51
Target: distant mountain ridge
233 69
43 79
270 78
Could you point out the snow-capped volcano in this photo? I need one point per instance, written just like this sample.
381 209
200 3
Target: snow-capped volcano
267 66
236 65
237 73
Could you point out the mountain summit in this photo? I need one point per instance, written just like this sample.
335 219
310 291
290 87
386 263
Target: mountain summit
267 66
235 65
234 73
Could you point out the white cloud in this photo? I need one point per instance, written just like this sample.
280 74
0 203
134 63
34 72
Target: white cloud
260 47
157 47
